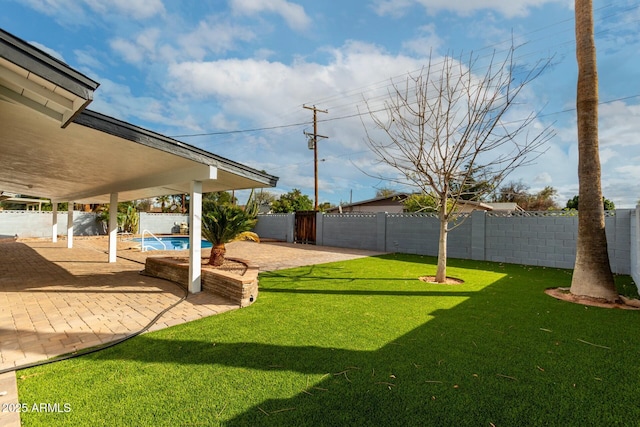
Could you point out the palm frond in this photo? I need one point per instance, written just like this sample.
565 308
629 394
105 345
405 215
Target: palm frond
223 223
247 235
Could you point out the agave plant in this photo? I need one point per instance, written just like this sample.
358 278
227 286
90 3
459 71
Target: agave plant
223 223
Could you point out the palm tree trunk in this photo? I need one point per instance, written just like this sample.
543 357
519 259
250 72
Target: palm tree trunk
217 255
592 273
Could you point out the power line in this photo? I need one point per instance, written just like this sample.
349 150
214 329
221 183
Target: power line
360 114
229 132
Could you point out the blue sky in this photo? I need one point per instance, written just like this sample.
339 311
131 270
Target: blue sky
218 67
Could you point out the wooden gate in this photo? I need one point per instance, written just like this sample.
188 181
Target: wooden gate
305 228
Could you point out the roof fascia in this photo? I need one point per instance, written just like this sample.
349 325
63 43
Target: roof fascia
46 66
394 197
130 132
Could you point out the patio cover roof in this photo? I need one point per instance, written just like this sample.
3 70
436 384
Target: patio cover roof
52 147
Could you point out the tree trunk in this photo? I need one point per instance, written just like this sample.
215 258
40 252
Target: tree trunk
217 255
592 273
441 272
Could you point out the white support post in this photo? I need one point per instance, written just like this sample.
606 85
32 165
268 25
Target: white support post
69 225
195 238
113 227
54 222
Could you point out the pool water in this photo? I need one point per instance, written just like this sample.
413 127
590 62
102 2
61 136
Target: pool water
171 243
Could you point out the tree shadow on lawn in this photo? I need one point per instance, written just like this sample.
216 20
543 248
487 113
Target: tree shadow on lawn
507 355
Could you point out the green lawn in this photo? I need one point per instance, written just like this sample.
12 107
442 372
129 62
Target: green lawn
364 342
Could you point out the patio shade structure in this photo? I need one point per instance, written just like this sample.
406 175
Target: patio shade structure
51 146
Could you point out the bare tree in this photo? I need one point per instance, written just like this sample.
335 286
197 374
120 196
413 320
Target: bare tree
385 192
592 273
447 127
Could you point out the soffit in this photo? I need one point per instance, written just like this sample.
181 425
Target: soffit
86 164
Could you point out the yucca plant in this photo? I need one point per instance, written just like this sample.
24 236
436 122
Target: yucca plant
224 223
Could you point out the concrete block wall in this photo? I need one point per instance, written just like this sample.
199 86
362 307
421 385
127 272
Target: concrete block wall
412 234
276 226
420 234
634 262
533 240
550 240
355 231
542 238
619 241
459 241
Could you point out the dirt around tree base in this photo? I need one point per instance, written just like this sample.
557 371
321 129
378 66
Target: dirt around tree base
564 295
448 280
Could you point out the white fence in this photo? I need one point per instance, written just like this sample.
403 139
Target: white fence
39 224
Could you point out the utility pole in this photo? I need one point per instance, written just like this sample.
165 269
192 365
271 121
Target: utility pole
313 139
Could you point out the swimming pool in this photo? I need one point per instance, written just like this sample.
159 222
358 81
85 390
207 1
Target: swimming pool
169 243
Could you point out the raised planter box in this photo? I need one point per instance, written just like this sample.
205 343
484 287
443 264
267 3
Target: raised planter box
240 289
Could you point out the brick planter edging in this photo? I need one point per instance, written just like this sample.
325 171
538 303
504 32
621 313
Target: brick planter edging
241 290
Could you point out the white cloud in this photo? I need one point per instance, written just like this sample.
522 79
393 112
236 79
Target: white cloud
137 9
508 8
426 42
607 154
267 93
73 11
258 88
129 51
543 179
64 10
209 37
117 100
227 94
630 172
395 8
88 59
270 93
619 124
143 47
292 13
213 36
48 50
619 127
222 122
